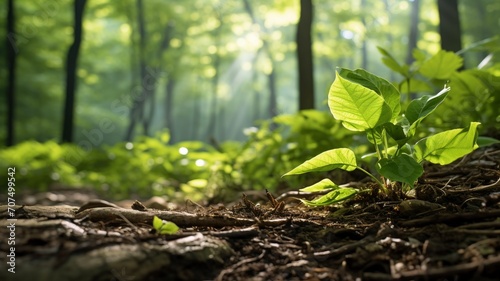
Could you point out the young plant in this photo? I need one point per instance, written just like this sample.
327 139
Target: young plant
164 227
368 104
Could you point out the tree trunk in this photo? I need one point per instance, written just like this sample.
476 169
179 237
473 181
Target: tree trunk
71 67
273 97
169 98
449 25
305 56
212 123
137 110
11 80
412 40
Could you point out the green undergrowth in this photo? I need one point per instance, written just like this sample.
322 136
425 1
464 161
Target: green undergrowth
187 170
391 119
394 118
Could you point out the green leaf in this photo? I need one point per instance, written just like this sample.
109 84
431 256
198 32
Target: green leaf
335 196
402 168
377 84
164 227
340 158
448 146
390 62
397 133
420 108
322 185
442 65
485 141
358 107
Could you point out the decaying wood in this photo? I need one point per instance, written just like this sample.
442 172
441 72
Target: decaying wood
137 261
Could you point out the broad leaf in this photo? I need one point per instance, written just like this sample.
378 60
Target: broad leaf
377 84
448 146
358 107
420 108
340 158
322 185
402 168
442 65
335 196
164 227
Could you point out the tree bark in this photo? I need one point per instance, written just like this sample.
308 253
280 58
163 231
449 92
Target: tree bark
449 25
412 40
137 110
71 67
11 80
169 98
305 56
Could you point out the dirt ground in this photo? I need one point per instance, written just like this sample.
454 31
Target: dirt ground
448 230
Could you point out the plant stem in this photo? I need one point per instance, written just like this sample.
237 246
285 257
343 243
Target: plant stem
386 144
372 176
379 154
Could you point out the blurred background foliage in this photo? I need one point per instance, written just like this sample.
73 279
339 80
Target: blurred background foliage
213 131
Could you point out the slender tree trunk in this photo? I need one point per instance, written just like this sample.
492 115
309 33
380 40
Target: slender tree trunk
449 25
146 92
212 123
169 98
273 97
305 55
11 80
71 67
413 38
139 93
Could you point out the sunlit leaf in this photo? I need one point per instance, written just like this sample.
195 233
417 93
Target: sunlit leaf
377 84
357 106
442 65
340 158
322 185
402 168
444 148
164 227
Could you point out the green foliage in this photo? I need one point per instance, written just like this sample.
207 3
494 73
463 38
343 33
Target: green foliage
164 227
367 103
476 92
146 167
194 170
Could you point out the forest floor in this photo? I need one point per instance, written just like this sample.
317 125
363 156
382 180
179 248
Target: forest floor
450 230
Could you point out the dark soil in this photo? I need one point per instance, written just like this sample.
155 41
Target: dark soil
449 229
